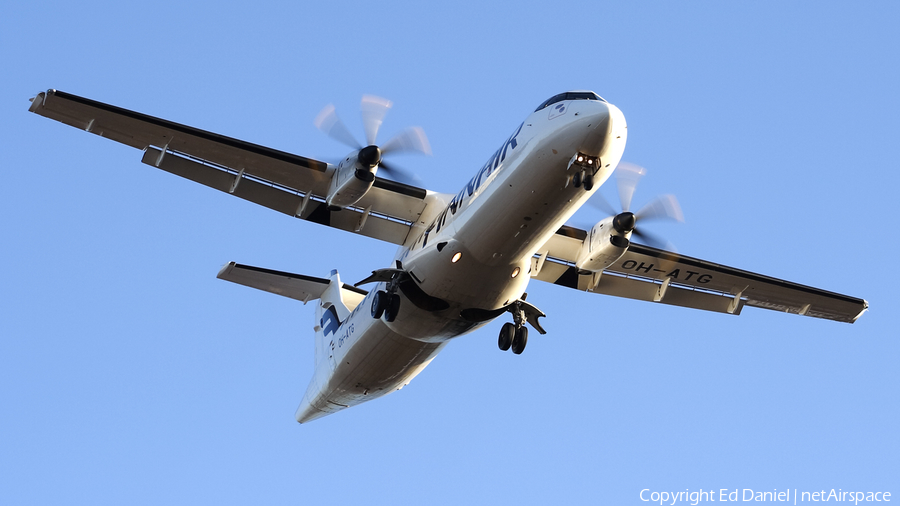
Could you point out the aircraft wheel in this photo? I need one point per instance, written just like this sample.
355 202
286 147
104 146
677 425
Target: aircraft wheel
521 339
588 182
507 333
393 309
576 179
379 304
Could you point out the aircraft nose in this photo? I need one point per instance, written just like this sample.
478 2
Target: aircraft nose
609 133
599 119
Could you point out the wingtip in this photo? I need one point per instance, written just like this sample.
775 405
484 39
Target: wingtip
38 101
864 309
225 270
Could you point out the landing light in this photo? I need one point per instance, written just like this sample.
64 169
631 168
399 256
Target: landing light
515 272
456 257
584 161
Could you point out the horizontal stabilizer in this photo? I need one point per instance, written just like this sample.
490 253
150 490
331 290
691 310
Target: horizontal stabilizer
295 286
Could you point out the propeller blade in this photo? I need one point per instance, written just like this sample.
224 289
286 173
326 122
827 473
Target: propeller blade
663 206
627 177
373 110
597 201
412 139
652 240
329 122
400 175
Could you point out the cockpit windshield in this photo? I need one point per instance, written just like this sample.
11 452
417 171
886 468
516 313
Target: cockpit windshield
571 95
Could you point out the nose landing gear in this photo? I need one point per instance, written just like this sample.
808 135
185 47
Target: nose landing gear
515 335
584 177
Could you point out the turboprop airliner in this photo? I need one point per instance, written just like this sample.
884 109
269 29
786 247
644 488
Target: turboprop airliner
464 259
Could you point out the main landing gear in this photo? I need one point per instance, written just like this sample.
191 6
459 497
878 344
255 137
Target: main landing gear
515 335
387 304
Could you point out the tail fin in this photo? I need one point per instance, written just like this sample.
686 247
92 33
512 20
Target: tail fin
331 309
330 312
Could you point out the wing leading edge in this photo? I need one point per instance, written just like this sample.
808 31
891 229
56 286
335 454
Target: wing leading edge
288 183
655 275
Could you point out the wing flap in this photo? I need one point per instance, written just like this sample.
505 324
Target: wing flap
637 289
689 282
282 199
214 177
286 284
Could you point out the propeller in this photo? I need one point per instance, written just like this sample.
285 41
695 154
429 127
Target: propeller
373 110
661 207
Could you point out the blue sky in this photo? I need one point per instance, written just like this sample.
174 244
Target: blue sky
130 374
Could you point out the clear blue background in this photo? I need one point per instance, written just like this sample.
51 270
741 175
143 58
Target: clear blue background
130 375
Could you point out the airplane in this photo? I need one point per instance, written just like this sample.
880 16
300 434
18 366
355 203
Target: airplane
463 259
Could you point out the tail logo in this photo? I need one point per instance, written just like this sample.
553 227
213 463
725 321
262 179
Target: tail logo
330 321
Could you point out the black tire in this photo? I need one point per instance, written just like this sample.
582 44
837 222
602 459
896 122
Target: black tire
378 304
576 179
507 333
393 309
588 182
521 339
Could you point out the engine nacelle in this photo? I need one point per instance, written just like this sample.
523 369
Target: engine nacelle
353 177
603 246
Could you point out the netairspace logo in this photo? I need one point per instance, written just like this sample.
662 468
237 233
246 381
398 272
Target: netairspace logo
749 495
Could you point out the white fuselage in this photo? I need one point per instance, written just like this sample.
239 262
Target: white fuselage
492 228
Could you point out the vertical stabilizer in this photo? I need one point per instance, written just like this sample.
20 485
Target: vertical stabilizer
330 312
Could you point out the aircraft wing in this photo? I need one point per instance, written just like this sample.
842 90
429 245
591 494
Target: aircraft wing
286 284
655 275
282 181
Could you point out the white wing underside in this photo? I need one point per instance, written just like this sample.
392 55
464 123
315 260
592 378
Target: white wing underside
288 183
654 275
